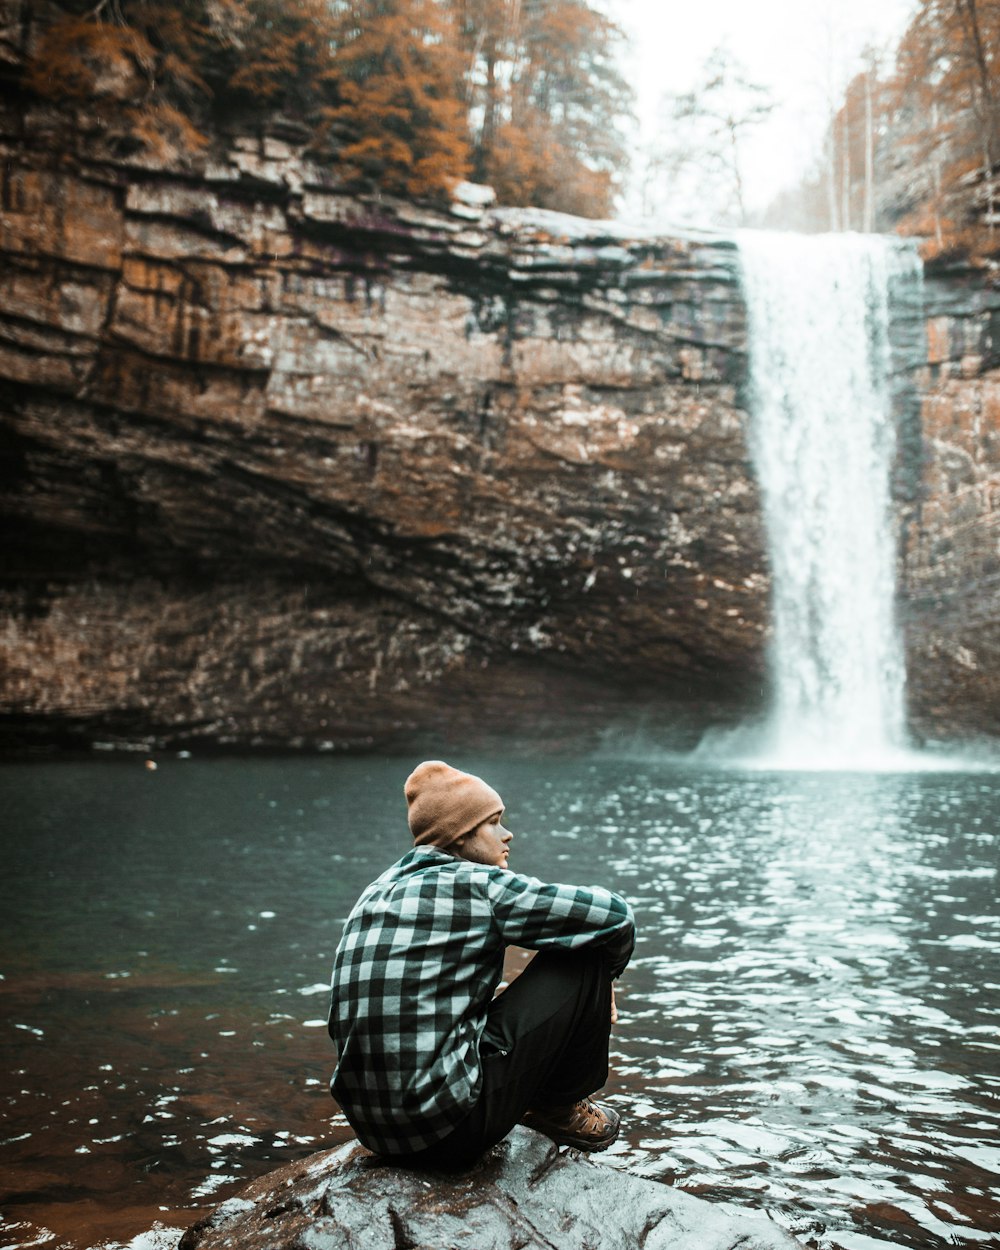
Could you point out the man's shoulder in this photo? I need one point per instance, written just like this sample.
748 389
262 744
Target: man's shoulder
418 860
424 865
427 869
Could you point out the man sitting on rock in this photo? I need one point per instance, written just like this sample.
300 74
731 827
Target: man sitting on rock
432 1068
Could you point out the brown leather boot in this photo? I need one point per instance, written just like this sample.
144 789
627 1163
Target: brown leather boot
587 1125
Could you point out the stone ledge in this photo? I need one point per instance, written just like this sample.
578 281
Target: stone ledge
525 1194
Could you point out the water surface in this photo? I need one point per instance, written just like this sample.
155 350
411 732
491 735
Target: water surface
810 1025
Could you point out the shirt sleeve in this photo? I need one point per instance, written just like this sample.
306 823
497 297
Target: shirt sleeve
541 915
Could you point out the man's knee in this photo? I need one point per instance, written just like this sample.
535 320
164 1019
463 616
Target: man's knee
555 984
588 961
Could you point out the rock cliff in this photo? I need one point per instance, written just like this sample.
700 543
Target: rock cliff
287 467
290 467
950 554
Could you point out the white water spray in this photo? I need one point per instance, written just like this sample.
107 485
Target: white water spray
823 443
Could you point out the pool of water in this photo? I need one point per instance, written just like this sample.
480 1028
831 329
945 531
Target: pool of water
809 1027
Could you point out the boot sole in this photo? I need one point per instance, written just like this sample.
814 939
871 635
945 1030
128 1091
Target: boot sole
589 1144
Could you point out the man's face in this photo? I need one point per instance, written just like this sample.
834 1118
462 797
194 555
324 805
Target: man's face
486 844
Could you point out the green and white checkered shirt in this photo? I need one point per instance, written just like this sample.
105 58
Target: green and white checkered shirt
421 956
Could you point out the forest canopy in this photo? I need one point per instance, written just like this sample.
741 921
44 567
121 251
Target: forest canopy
407 95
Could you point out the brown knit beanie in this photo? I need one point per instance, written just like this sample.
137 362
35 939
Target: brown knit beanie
443 803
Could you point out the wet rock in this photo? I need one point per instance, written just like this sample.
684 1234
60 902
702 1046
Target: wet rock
524 1194
950 557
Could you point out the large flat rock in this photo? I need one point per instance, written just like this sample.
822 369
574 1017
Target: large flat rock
525 1193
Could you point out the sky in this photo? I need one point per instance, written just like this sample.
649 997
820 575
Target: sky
802 50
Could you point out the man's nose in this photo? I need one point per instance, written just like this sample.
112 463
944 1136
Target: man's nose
506 835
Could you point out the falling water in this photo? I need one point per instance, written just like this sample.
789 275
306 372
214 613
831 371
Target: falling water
823 444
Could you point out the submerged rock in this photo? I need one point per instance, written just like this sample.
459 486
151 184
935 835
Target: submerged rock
523 1194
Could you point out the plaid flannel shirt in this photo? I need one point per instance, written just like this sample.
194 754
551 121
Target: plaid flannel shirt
421 956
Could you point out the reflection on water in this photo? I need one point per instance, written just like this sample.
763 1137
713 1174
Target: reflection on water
809 1027
800 1015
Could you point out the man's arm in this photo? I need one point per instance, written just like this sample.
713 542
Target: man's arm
541 915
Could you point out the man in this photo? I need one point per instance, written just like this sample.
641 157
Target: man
432 1067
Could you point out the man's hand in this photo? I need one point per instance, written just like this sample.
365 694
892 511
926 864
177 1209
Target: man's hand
614 1007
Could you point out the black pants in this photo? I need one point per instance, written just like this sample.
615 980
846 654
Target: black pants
545 1044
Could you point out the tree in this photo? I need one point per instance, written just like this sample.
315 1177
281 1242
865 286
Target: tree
397 73
851 140
698 165
395 93
980 27
273 56
152 72
487 31
546 101
947 95
890 146
136 66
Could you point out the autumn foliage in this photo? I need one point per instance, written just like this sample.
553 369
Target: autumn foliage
397 76
915 143
118 67
947 114
547 97
406 95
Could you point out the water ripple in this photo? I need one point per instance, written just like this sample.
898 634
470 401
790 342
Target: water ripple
810 1025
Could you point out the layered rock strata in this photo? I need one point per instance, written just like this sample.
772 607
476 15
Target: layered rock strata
284 466
950 553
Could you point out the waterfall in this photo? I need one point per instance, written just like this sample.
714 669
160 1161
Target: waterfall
822 441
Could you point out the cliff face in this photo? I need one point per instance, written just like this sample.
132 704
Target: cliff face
283 466
950 561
